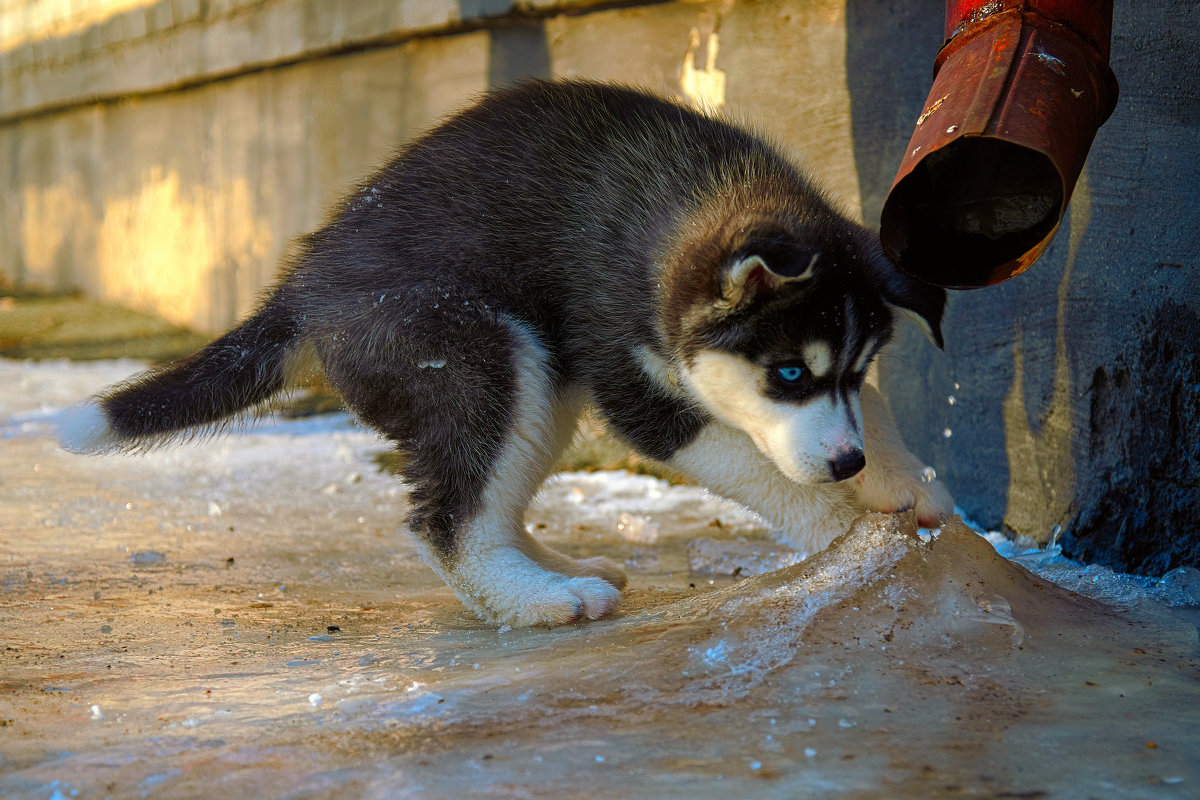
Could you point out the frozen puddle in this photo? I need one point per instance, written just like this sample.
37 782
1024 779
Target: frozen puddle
241 619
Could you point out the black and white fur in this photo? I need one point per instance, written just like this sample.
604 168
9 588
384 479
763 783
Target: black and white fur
563 244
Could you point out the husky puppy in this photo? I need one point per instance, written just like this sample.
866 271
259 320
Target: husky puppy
561 244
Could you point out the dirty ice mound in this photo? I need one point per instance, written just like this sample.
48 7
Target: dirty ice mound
910 656
880 586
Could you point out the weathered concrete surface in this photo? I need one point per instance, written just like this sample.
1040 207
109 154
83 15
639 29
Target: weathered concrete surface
58 54
182 202
183 205
243 619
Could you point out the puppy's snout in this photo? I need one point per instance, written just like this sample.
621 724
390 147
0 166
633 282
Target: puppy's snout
847 464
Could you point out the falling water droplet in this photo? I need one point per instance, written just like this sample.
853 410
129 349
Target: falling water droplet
947 433
1055 532
951 400
928 475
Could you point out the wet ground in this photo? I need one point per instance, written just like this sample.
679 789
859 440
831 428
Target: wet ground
245 617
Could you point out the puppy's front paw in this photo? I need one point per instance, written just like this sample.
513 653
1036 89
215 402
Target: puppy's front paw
901 489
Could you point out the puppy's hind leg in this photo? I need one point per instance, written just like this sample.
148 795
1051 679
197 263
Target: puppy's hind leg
479 448
497 568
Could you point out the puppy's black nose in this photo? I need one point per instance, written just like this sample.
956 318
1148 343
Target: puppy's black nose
847 464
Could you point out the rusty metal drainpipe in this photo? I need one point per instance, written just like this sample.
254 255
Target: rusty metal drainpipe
1020 89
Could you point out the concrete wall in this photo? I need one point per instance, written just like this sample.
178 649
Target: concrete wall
168 170
162 153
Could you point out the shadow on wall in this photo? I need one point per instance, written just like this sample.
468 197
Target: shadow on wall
517 50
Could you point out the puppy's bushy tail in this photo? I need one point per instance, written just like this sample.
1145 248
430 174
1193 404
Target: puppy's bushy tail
237 371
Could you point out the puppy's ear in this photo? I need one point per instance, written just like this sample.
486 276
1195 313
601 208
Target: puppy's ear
924 302
752 272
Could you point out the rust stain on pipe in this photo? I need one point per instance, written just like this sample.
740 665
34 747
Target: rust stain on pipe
1020 90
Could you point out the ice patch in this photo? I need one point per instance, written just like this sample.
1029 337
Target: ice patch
1179 588
604 497
421 704
707 556
637 528
159 778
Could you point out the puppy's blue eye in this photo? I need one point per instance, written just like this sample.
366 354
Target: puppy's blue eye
790 374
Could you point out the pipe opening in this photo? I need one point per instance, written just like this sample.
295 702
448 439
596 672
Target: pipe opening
968 212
